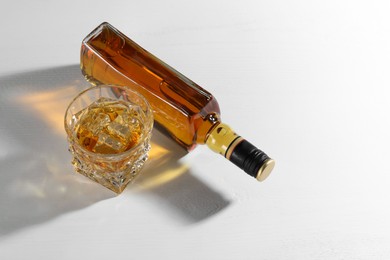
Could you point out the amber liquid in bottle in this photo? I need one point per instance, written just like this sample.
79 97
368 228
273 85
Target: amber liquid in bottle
185 110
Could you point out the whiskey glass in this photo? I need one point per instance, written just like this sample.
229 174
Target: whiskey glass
109 130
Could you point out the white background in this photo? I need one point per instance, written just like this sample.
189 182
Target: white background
306 81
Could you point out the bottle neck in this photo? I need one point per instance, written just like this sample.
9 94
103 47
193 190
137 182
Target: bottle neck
223 140
205 126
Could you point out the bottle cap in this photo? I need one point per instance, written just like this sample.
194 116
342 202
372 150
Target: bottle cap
265 170
251 159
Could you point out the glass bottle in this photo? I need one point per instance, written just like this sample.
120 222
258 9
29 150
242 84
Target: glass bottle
189 113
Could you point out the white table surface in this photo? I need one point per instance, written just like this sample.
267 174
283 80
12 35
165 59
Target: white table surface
306 81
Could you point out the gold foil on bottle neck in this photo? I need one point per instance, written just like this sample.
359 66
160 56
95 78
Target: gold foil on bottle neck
224 140
220 138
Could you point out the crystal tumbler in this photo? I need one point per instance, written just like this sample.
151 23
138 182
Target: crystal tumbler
109 130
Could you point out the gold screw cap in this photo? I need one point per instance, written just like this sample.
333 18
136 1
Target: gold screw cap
265 170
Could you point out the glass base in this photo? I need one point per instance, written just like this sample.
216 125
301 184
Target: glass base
113 180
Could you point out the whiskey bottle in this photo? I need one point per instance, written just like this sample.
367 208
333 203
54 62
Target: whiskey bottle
189 113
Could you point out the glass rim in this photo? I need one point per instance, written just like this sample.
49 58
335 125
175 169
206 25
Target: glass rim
125 88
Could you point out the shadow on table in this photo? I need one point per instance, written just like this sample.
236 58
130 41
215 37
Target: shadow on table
174 186
36 183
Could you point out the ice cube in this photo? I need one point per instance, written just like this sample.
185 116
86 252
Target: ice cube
97 122
116 109
107 144
119 129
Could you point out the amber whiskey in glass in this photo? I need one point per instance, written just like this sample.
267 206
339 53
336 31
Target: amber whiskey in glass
109 134
189 113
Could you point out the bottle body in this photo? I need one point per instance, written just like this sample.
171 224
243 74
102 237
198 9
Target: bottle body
189 113
180 106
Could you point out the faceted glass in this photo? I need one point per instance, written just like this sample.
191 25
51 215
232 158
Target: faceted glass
109 130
